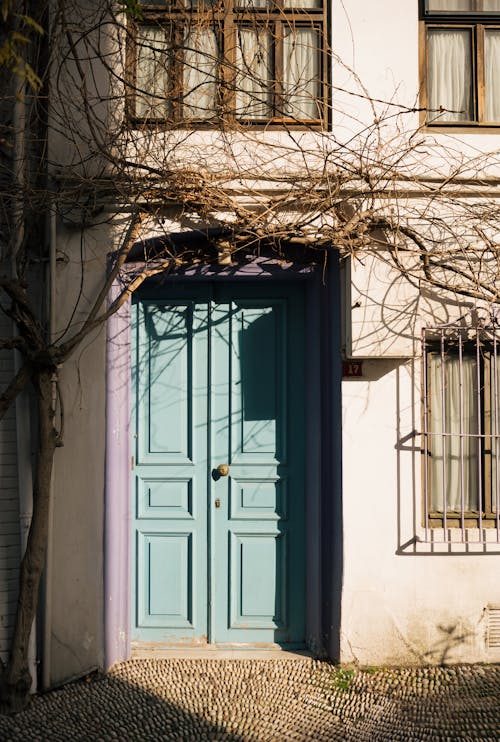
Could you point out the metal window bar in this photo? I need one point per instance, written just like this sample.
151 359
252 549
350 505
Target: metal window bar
480 494
496 441
443 433
462 466
426 437
439 341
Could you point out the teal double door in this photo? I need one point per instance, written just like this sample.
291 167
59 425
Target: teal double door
218 467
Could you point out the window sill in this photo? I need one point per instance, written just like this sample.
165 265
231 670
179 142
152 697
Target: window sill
454 520
452 541
461 128
288 125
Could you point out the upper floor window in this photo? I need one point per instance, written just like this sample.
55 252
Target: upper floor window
253 61
462 61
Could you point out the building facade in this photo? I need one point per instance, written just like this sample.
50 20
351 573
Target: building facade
281 452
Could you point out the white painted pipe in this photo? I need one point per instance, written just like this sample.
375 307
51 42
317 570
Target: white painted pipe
47 622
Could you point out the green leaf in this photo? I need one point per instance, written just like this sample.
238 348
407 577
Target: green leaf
32 78
29 21
19 37
132 9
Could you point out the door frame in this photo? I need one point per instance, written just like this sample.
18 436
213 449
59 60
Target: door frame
323 516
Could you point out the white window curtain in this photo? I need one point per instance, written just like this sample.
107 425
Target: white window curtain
254 64
301 72
287 3
302 3
454 452
449 81
450 5
249 4
151 78
492 74
474 6
200 70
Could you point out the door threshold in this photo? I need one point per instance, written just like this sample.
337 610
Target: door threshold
218 652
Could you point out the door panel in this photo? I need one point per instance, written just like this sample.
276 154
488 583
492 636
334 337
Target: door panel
158 498
165 559
219 380
258 545
166 392
264 499
257 364
258 582
170 512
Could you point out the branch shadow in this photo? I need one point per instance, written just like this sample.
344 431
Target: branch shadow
452 636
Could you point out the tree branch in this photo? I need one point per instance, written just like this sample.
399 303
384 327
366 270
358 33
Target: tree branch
18 383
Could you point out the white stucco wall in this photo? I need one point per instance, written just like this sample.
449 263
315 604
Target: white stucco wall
400 603
379 42
74 601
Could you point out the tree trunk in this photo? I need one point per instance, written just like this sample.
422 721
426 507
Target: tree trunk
15 681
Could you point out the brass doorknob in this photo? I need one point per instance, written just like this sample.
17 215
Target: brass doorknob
223 470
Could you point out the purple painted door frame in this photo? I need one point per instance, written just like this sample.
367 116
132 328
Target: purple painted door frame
117 495
117 582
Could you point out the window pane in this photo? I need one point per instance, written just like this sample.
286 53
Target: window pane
200 73
453 457
449 78
173 4
492 74
151 79
463 6
301 73
257 4
303 4
201 4
254 63
275 5
450 5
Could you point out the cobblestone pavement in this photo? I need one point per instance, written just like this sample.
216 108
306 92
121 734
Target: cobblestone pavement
266 701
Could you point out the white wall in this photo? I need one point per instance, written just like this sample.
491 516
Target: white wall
379 42
401 604
74 604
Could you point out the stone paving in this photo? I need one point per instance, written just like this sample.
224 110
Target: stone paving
266 701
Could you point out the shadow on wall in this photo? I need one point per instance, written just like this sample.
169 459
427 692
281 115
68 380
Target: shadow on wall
452 637
440 644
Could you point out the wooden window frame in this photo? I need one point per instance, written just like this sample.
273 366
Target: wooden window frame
487 517
477 22
227 17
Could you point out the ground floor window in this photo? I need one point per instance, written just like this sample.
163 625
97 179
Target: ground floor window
461 412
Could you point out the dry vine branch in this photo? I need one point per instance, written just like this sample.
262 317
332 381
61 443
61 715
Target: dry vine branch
373 184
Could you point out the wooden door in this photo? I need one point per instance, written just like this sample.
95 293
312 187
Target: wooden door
218 516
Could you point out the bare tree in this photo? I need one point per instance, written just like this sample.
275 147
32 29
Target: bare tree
101 123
